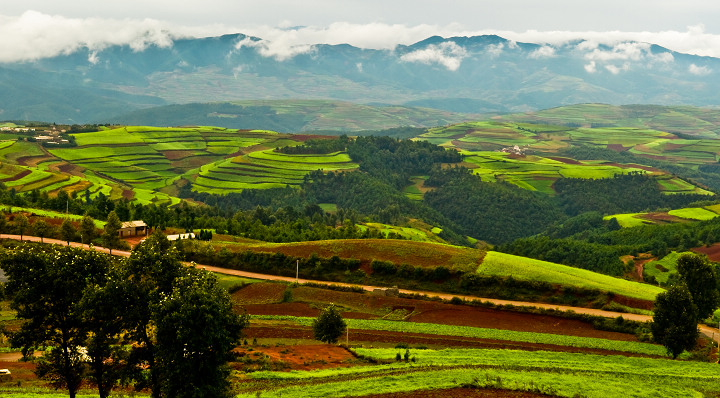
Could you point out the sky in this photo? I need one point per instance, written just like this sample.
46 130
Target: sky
33 29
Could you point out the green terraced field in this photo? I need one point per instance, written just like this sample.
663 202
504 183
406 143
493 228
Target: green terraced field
501 264
663 268
535 172
266 169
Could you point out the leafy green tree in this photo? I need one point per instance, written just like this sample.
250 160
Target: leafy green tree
22 224
88 231
329 325
107 356
699 275
41 229
110 236
675 320
47 285
67 230
148 277
196 331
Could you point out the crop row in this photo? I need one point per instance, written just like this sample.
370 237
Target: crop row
484 333
556 374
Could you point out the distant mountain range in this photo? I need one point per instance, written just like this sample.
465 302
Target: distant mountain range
483 74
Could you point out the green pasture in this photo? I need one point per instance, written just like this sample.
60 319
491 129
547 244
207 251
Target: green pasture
663 268
501 264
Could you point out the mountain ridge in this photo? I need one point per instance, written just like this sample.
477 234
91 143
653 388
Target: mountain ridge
496 74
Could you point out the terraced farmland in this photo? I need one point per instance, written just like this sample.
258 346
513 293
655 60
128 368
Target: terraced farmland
266 169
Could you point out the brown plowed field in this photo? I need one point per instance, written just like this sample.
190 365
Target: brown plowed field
713 252
308 300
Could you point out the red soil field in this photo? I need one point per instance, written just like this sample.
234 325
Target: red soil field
713 252
265 301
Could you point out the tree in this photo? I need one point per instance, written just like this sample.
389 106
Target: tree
112 229
699 275
22 224
196 332
107 356
41 228
47 284
675 320
329 325
87 229
147 277
67 230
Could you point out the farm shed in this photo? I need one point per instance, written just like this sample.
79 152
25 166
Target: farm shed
133 228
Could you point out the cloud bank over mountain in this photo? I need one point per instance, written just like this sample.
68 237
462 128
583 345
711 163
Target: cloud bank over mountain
35 35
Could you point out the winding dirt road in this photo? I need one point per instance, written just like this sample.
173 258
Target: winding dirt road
710 332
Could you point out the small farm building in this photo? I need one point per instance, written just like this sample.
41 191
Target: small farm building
133 228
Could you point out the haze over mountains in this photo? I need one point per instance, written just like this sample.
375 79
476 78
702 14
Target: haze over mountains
482 74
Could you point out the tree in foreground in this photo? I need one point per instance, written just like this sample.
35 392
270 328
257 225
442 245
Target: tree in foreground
196 332
47 284
699 275
329 325
675 320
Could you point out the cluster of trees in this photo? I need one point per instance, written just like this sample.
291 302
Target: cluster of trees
173 336
694 297
626 193
495 212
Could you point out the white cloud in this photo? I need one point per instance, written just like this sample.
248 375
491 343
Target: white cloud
617 69
699 70
591 67
280 50
359 67
93 58
447 54
495 50
34 35
543 52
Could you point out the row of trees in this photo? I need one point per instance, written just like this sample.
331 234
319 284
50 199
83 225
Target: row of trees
147 320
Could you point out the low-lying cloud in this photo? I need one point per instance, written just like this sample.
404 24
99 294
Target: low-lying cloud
447 54
34 35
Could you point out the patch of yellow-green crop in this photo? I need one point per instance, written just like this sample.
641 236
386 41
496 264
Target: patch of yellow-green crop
628 220
107 137
501 264
693 213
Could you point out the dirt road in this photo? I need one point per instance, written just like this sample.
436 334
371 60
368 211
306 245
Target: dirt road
712 333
